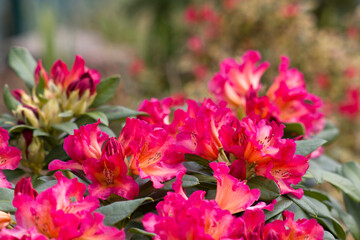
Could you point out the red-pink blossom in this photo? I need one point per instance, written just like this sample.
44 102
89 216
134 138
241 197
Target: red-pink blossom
109 173
40 73
60 212
150 151
350 106
289 229
200 133
86 142
234 80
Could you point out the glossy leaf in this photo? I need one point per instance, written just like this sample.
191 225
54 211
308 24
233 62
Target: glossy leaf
118 112
305 147
96 115
21 61
282 204
10 102
268 188
292 130
20 128
117 211
187 181
329 133
67 127
6 198
105 90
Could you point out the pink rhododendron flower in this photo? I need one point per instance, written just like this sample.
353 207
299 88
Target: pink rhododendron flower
61 76
200 133
9 157
60 212
85 143
231 194
150 151
289 229
350 106
195 44
40 73
192 218
259 149
109 173
351 72
290 10
234 80
136 67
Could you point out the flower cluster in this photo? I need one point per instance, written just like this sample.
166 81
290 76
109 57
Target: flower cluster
286 100
60 212
180 217
141 150
68 92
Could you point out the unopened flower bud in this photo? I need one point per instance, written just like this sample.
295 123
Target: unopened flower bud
84 83
40 73
5 219
24 186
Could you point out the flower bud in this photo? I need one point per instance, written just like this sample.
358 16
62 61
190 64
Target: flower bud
40 73
5 219
24 186
84 83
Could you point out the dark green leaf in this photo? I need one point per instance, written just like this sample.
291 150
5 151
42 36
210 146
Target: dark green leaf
282 204
105 90
343 183
351 170
96 115
20 128
268 188
13 174
6 198
195 158
41 133
57 153
107 130
187 181
329 133
67 127
141 232
10 102
352 208
305 147
117 211
118 112
21 61
292 130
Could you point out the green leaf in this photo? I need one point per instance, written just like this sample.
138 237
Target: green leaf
268 188
57 152
292 130
96 115
328 236
117 211
343 183
6 199
141 232
305 147
107 130
187 181
118 112
105 90
351 170
66 114
41 133
329 133
20 128
352 208
21 61
195 158
13 174
10 101
67 127
282 204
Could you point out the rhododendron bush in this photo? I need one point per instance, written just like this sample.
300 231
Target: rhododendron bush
245 164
